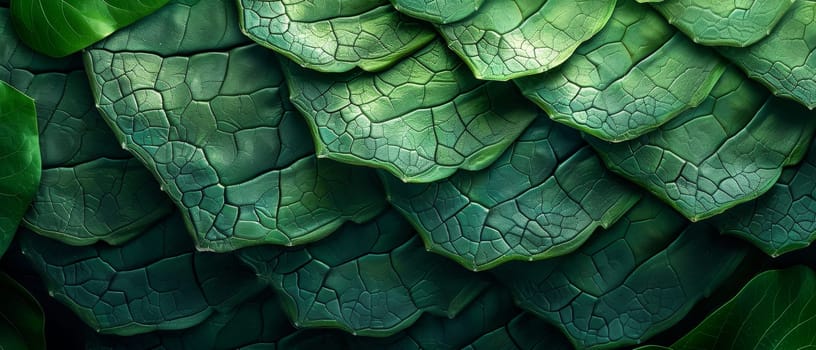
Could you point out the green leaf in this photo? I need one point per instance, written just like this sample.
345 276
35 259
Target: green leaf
217 131
421 120
371 279
333 35
781 220
156 281
91 188
61 27
22 324
635 75
742 138
783 60
628 283
509 39
542 198
775 310
438 11
20 154
524 332
723 23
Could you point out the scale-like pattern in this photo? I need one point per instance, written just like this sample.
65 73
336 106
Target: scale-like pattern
630 78
334 35
510 39
729 150
541 198
727 22
438 11
154 281
523 332
784 218
784 60
421 120
629 282
225 143
368 279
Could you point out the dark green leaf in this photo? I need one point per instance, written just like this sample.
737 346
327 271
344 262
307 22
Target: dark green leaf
776 310
729 150
333 35
629 282
421 120
61 27
542 198
524 332
22 324
153 282
510 39
371 279
20 154
635 75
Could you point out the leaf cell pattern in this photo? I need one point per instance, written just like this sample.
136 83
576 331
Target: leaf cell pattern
371 279
509 39
727 151
334 35
635 75
421 120
438 11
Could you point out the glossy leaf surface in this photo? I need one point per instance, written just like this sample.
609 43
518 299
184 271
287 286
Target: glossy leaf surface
783 61
61 27
775 310
438 11
629 282
22 323
729 150
421 120
334 35
216 129
542 198
153 282
510 39
630 78
723 23
368 279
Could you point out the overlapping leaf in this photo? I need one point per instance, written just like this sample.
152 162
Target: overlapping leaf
216 129
61 27
20 154
91 189
22 323
154 281
784 60
542 198
510 39
368 279
635 75
628 283
334 35
421 120
727 23
728 150
438 11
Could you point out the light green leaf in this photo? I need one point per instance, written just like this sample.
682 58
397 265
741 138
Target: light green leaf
775 310
61 27
20 154
438 11
781 220
542 198
421 120
723 23
633 76
727 151
783 61
371 279
216 129
22 323
509 39
629 282
91 188
334 35
156 281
